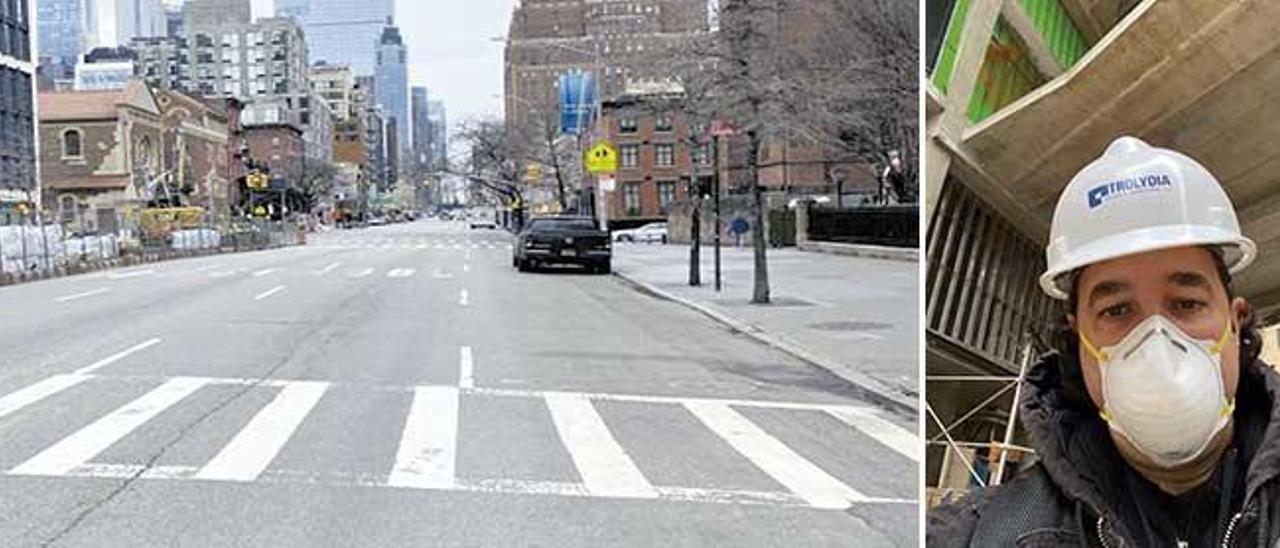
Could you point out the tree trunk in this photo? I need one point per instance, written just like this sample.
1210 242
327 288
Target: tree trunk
760 290
695 247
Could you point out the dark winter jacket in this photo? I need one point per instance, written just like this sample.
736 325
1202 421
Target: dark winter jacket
1082 493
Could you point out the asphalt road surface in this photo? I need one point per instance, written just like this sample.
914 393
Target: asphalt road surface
405 386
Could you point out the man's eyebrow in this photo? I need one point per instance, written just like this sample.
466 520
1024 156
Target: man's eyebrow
1106 289
1187 278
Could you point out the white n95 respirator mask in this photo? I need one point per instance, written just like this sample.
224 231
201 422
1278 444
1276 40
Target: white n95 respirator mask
1163 390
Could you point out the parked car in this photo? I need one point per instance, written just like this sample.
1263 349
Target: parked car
482 217
652 232
562 240
378 221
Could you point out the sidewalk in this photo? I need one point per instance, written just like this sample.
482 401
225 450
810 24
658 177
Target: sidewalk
856 317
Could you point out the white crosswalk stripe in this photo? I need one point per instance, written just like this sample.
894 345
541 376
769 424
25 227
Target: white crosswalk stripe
603 464
253 449
87 442
427 451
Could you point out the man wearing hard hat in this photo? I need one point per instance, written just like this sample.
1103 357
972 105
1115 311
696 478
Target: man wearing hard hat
1155 424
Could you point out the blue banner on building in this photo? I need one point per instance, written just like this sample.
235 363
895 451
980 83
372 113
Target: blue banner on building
577 101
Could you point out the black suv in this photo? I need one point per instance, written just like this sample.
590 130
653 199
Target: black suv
562 240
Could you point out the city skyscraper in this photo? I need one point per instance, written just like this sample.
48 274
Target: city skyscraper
421 125
392 88
342 32
18 186
439 122
63 27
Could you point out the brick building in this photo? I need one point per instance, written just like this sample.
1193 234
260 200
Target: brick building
99 154
613 38
658 155
277 147
194 147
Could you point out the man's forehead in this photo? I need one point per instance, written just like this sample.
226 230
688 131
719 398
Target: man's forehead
1186 266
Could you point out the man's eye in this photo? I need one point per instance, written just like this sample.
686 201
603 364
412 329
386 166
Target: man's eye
1115 311
1188 305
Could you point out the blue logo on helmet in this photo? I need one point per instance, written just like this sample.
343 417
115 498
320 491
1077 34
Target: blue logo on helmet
1113 190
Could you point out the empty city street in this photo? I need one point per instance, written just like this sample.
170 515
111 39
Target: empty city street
405 386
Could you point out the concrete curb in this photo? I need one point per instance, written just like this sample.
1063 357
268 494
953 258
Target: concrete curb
879 392
866 251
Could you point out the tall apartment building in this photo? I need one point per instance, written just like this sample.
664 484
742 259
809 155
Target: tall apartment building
19 187
392 75
342 32
609 37
336 84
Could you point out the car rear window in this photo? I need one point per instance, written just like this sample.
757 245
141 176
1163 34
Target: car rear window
562 224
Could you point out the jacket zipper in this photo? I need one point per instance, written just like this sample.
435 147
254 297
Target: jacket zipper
1102 537
1231 529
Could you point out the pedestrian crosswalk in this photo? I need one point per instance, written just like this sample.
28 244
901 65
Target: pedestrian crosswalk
418 244
437 421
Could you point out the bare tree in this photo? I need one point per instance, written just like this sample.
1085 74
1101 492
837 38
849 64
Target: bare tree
312 178
838 75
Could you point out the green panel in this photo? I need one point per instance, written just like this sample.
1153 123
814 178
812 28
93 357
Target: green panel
1007 73
1057 29
950 45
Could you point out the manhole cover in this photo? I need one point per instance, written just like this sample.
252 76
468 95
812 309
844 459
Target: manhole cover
850 326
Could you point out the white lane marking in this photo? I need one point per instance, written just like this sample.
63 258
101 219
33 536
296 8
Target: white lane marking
69 298
509 247
427 455
420 246
462 298
226 273
770 455
84 444
268 293
265 272
457 246
466 368
329 268
362 273
400 273
888 434
466 268
603 464
38 391
438 246
440 275
467 254
279 476
116 357
134 274
253 449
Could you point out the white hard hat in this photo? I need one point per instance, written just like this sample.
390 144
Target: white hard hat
1134 199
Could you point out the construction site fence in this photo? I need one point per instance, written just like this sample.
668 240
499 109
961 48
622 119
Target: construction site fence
41 248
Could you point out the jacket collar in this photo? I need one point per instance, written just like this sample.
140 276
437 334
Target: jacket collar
1075 447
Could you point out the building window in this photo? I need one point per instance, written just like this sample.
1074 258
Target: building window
631 199
630 156
662 123
71 144
666 195
666 155
628 125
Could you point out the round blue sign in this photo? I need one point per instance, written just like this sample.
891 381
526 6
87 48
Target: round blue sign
739 226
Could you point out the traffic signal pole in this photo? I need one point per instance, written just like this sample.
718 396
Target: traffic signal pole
715 183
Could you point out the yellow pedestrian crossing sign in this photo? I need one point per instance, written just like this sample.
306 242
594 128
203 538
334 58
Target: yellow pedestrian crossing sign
602 158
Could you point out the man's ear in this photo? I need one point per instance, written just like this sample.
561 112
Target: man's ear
1071 321
1239 309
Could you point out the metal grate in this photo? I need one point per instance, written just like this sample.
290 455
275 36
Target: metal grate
981 284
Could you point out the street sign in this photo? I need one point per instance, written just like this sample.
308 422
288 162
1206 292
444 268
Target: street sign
533 173
259 211
602 158
608 183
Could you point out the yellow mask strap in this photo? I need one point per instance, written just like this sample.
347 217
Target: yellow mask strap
1098 355
1222 341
